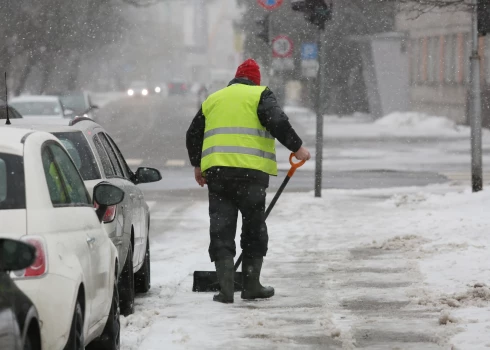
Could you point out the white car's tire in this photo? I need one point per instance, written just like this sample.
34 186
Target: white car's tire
76 340
111 336
142 278
126 285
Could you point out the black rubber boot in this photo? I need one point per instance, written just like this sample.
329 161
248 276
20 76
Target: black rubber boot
225 270
252 289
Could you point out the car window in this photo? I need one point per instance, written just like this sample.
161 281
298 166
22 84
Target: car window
12 186
76 103
55 186
77 146
13 114
111 153
63 178
39 108
106 163
126 169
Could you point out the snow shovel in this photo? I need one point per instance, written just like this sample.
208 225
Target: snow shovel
207 281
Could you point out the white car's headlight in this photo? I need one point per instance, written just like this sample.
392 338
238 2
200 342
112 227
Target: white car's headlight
144 92
157 89
130 92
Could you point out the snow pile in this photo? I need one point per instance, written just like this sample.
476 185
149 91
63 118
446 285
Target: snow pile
418 124
407 242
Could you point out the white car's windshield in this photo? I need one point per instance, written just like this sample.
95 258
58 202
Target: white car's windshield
37 108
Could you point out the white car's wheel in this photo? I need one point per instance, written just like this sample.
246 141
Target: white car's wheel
126 285
111 336
142 278
76 338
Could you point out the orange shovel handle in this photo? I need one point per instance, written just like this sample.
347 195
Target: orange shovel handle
294 166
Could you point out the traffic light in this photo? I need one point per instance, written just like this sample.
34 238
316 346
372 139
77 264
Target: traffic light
298 5
483 16
262 31
316 12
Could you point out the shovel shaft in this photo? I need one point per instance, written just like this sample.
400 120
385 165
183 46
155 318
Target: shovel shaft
290 174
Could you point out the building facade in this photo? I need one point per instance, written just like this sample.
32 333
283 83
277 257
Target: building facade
439 49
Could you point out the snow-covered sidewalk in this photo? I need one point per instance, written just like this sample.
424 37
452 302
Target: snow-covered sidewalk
376 269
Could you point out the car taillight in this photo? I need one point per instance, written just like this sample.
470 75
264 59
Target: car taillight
183 87
40 265
110 213
170 86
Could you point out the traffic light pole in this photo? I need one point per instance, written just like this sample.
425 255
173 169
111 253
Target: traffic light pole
475 106
319 119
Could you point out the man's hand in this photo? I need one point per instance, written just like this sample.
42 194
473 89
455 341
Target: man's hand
303 154
199 178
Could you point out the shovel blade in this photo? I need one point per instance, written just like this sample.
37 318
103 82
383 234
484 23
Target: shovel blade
207 281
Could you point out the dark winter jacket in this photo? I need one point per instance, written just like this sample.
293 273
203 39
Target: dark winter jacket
271 116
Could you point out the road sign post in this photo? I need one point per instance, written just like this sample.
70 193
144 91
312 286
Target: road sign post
317 12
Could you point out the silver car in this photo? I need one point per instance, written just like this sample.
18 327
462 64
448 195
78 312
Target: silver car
98 159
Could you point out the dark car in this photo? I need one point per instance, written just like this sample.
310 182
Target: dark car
19 321
79 102
177 88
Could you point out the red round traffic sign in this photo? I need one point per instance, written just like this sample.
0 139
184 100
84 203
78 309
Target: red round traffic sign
282 46
270 4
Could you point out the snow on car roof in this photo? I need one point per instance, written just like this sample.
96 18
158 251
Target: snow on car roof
35 98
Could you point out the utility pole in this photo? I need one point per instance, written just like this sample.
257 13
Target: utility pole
319 119
475 104
317 12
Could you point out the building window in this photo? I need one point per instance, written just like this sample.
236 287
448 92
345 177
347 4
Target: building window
415 61
433 60
450 59
487 59
466 60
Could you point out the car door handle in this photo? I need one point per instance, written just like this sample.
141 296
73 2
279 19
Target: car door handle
90 240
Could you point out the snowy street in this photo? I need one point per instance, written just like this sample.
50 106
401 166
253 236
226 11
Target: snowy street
388 259
346 276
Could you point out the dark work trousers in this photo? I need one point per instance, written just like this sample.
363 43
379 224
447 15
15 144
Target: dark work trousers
226 198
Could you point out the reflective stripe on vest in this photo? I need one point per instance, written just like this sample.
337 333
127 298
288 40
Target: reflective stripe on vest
239 150
238 131
233 135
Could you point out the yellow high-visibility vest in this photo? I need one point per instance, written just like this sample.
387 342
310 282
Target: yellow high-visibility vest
234 136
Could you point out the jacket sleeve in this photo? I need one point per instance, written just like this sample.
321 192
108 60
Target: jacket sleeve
195 138
273 118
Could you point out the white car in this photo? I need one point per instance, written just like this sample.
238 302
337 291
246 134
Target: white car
98 159
43 201
42 108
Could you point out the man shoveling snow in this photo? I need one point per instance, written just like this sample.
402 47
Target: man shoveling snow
231 144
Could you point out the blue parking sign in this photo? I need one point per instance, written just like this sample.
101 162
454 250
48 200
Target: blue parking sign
309 51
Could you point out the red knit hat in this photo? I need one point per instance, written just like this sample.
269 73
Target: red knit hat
250 70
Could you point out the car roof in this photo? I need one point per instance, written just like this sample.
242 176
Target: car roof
11 139
82 125
35 98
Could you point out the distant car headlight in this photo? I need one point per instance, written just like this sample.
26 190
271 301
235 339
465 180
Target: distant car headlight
157 89
130 92
144 92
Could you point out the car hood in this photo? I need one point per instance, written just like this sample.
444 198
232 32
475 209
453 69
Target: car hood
14 224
